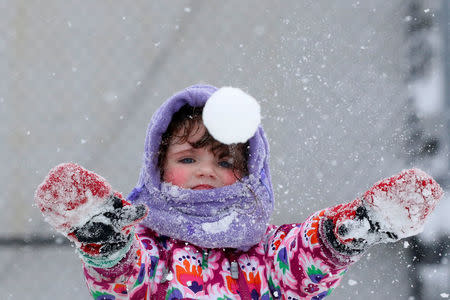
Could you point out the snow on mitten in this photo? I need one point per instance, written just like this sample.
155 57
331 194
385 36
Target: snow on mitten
392 209
82 206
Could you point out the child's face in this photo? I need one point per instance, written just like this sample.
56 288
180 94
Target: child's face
197 169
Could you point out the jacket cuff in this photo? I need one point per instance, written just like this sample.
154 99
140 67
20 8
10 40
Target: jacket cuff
109 261
341 254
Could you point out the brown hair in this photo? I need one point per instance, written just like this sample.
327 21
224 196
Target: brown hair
182 126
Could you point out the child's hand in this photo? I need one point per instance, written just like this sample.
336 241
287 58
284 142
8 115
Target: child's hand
402 203
82 206
394 208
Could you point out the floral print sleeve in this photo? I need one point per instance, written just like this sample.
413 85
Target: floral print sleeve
300 265
132 278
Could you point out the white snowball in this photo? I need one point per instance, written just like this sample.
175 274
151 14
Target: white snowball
231 115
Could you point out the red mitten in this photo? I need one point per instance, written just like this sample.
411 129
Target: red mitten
392 209
82 206
402 202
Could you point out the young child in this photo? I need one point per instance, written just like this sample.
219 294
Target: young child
198 228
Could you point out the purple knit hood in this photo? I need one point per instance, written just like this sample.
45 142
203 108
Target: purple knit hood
234 216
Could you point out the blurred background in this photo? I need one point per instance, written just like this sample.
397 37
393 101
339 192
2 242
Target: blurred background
351 92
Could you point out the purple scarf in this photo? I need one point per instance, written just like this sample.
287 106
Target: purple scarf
234 216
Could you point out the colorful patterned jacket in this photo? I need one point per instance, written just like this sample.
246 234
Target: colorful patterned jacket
291 262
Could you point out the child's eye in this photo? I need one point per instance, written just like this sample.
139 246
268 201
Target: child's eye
187 160
225 164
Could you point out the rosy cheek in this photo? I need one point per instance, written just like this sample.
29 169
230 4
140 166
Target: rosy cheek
176 176
229 178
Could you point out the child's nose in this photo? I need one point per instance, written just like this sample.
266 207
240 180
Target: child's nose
206 170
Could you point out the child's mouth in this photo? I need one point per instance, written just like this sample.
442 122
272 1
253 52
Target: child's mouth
203 187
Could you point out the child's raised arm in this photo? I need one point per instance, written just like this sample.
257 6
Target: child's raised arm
83 207
309 259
